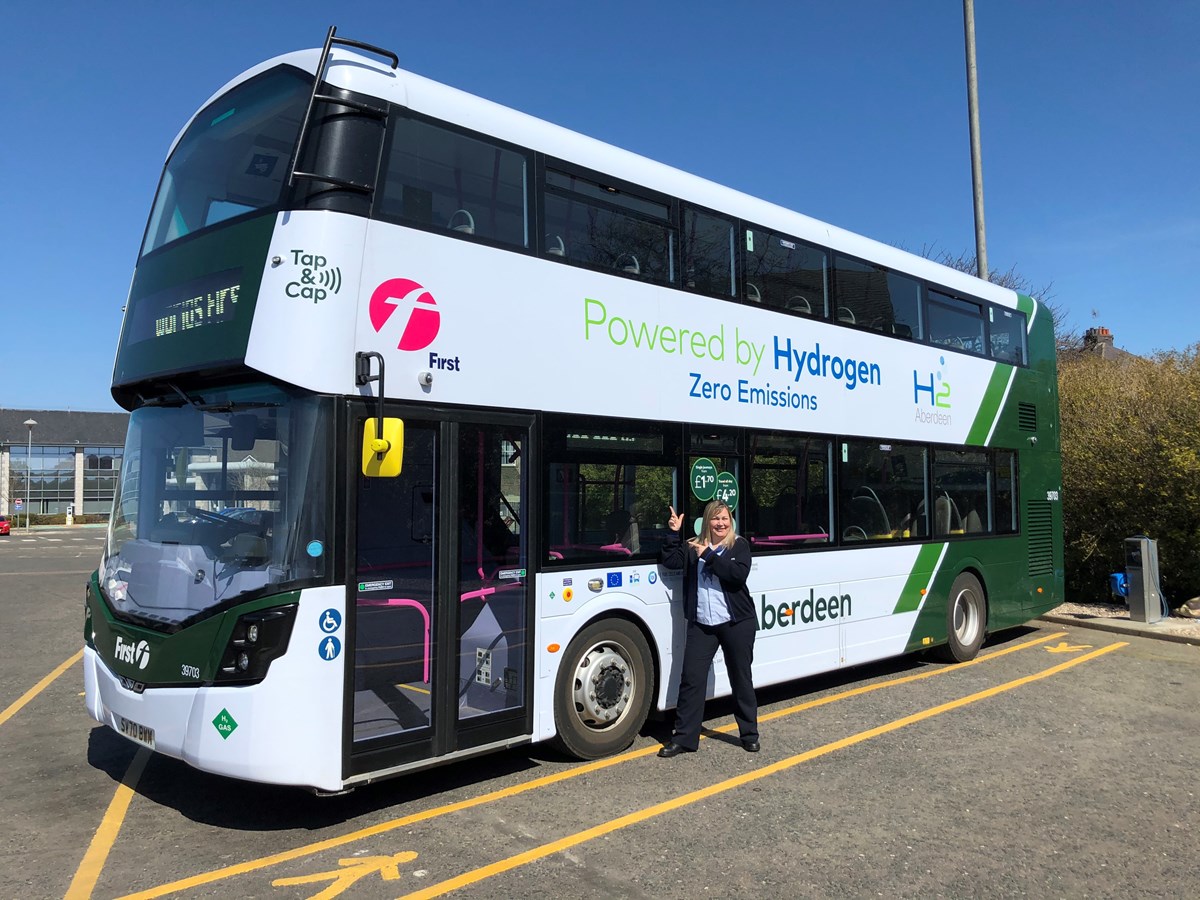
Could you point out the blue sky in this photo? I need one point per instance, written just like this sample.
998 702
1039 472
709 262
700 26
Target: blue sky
851 112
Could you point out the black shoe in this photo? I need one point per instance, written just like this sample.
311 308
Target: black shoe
670 748
749 746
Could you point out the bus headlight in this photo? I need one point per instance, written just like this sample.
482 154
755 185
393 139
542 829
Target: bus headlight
257 638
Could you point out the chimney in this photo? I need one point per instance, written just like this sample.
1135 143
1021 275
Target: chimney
1094 338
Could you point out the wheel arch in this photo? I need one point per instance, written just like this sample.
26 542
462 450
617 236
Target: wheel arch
631 616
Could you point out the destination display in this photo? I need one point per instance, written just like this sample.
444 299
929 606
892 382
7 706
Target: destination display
206 301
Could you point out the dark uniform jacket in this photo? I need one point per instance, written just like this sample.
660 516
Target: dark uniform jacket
732 568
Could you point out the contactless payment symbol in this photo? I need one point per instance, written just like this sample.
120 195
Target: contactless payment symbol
331 621
423 319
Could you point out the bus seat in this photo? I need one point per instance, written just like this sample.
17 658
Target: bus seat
845 314
628 263
946 518
901 330
622 528
867 512
973 524
753 294
941 515
798 303
555 245
462 221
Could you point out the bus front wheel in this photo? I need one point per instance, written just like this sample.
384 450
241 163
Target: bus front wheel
966 620
603 690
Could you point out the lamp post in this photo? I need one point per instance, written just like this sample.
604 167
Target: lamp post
29 423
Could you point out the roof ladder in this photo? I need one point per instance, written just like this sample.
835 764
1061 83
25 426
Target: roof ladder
317 97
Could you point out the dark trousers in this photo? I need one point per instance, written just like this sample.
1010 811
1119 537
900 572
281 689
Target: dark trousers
736 641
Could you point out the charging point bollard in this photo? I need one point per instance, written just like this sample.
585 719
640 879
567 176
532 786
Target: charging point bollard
1141 575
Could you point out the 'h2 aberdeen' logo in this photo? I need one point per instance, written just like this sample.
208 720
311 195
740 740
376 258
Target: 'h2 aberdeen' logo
423 318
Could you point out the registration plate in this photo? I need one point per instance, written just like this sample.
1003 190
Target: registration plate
139 733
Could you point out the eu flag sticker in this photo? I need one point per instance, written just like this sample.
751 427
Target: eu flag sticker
614 579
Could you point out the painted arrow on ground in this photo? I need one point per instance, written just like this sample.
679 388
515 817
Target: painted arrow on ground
352 870
1064 647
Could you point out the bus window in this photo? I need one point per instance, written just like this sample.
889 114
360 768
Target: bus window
788 502
708 245
233 158
606 228
875 298
609 487
1006 335
444 180
961 492
955 323
1005 485
787 274
881 491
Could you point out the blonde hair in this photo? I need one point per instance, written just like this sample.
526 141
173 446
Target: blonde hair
705 538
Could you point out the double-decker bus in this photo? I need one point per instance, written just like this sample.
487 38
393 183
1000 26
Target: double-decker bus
414 379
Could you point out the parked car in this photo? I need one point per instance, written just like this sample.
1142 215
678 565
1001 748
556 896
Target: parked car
5 525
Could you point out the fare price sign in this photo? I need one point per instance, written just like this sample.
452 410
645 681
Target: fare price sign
708 484
704 479
727 490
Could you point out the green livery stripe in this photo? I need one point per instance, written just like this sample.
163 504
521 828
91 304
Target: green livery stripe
919 578
989 406
1028 306
988 415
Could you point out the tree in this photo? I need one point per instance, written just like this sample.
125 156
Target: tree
1131 465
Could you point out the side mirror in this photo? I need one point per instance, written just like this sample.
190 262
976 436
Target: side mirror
383 448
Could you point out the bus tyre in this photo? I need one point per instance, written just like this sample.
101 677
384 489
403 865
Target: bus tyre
966 620
603 690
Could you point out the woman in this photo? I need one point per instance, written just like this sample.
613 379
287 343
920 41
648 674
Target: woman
719 612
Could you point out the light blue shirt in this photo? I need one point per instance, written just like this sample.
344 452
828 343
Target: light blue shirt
711 608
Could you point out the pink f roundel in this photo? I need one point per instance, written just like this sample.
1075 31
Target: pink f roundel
423 318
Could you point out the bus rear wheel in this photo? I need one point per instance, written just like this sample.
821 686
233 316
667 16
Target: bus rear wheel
966 620
603 691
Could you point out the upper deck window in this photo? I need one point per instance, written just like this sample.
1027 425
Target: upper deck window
785 273
609 228
708 253
234 157
876 298
1006 333
955 323
441 179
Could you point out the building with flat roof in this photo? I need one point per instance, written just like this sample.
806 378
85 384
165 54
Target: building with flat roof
57 461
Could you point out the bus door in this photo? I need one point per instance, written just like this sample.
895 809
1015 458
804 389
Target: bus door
441 594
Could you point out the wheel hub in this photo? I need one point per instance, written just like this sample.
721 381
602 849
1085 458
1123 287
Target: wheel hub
604 684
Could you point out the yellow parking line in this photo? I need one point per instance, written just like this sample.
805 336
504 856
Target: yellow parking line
513 862
15 707
89 870
545 781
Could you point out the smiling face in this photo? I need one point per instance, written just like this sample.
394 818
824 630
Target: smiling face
719 524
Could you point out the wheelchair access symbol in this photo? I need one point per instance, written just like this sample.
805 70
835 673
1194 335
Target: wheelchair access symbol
331 621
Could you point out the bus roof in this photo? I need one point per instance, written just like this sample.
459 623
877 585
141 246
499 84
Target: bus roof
354 72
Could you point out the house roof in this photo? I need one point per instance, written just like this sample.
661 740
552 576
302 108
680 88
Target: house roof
57 426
